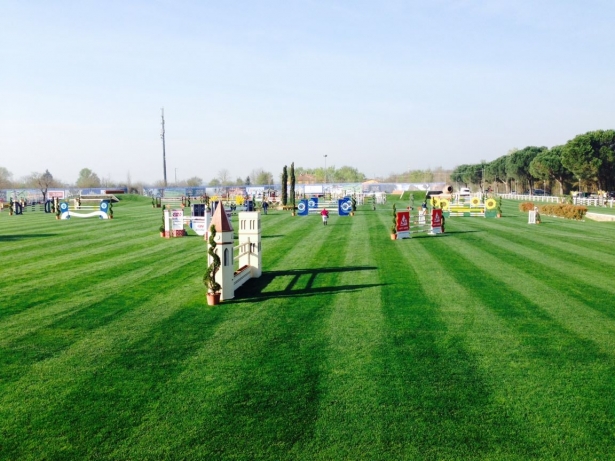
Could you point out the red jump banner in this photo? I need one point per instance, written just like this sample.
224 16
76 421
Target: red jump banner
403 224
436 222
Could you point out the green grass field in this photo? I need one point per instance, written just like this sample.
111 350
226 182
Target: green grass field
493 341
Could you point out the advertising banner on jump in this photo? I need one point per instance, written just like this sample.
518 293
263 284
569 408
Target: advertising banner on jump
313 203
344 206
436 221
302 208
177 220
200 224
403 224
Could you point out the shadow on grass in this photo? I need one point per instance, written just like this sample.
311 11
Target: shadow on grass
461 232
253 290
12 238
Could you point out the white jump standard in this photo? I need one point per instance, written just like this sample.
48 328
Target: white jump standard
248 251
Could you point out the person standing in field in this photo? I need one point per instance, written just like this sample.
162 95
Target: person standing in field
325 216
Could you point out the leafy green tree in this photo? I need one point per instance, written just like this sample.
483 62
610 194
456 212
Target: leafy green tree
87 179
247 181
495 172
467 174
214 183
518 164
195 181
548 166
262 177
346 174
5 178
591 156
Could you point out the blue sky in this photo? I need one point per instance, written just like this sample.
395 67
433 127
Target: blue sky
382 86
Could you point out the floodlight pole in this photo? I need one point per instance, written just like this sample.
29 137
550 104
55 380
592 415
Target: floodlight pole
325 156
164 157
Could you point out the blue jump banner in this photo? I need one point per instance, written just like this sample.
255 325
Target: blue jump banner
313 203
302 208
344 206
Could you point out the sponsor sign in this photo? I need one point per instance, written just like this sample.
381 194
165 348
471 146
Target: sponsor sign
403 224
302 208
313 203
313 189
177 220
344 206
51 194
200 224
403 221
436 221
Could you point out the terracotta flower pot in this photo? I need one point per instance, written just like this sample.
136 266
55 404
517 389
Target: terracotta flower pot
393 236
213 299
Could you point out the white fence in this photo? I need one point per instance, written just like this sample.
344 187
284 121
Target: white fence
548 198
533 198
593 202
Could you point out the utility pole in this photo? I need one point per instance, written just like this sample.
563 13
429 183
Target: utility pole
164 157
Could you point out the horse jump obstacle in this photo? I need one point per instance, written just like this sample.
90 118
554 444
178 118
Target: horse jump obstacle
248 251
407 224
473 209
175 220
91 211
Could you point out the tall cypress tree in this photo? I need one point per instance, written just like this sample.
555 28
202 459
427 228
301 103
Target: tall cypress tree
284 186
292 184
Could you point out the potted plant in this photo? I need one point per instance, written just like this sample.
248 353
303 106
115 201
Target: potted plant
394 227
162 228
110 210
209 278
353 205
499 207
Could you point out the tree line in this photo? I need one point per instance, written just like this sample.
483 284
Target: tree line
586 162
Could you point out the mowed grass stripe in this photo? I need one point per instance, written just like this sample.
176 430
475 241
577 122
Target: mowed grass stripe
264 397
578 234
562 275
440 403
37 402
542 239
595 291
570 311
76 270
82 276
139 281
557 355
475 410
58 333
349 397
96 240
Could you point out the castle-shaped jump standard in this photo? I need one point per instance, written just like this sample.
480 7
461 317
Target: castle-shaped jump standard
248 250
